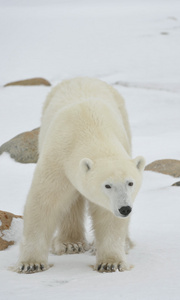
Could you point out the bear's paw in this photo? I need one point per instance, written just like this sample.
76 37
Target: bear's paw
59 248
29 268
112 267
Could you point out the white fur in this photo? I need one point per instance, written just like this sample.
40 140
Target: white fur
84 153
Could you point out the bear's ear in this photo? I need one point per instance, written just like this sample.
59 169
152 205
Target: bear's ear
139 162
86 164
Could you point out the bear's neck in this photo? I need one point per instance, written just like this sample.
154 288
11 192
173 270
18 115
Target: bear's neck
102 148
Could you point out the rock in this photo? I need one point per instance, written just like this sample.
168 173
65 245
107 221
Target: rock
6 219
23 147
176 183
165 166
32 81
4 244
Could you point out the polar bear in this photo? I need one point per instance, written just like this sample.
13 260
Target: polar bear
84 156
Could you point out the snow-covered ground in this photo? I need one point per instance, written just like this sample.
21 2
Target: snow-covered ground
135 44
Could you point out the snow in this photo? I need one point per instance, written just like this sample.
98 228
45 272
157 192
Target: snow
14 233
135 44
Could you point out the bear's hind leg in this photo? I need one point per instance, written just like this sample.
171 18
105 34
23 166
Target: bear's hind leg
70 238
129 244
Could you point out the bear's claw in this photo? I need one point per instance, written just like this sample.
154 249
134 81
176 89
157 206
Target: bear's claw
108 267
31 268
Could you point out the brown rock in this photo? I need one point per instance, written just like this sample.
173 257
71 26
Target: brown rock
5 224
23 147
4 244
165 166
32 81
176 183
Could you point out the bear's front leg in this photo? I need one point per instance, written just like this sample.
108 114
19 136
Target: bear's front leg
37 233
35 243
43 205
110 235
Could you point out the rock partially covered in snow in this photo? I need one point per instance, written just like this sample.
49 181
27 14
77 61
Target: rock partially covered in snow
11 227
23 147
165 166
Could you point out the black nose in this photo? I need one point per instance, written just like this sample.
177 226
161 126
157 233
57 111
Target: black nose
125 210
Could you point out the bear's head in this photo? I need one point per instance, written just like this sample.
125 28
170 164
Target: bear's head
112 184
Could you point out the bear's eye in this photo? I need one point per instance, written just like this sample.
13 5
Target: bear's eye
130 183
107 186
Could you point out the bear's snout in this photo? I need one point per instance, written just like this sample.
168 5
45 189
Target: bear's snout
125 210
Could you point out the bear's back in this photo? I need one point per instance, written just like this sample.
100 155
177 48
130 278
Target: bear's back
78 90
